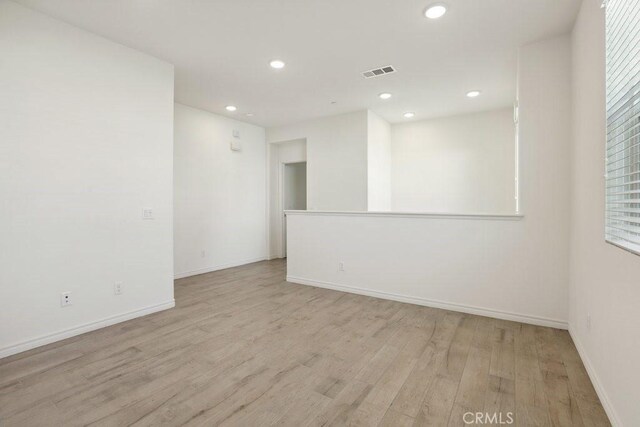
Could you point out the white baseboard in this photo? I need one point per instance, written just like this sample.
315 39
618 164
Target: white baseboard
81 329
595 380
217 267
523 318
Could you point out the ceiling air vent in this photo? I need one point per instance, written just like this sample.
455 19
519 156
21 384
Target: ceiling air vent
377 72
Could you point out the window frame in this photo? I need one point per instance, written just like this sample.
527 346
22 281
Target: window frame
626 223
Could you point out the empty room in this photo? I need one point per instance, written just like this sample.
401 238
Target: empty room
319 213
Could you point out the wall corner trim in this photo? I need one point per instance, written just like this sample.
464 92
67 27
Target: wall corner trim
595 380
81 329
480 311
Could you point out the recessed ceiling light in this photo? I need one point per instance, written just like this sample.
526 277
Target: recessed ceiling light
473 93
231 108
277 64
435 11
408 115
249 114
384 95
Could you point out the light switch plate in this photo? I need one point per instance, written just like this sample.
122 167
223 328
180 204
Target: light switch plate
147 213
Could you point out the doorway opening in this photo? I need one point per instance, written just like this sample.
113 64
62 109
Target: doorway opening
294 193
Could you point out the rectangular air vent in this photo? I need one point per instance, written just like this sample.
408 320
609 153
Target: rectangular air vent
377 72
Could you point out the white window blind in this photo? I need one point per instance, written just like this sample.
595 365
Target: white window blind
622 225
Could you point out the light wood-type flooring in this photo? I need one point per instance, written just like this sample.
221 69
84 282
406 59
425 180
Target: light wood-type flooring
245 348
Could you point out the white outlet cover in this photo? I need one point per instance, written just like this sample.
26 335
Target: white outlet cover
236 133
117 288
65 299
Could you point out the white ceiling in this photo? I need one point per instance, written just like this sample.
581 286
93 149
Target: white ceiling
221 50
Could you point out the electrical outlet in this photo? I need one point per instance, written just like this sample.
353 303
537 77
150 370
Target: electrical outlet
341 266
588 322
117 288
203 253
65 299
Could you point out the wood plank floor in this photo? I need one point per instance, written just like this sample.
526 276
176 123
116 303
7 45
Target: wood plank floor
245 348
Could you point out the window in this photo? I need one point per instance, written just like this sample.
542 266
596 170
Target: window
622 225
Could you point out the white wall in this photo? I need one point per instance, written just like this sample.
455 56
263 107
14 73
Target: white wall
359 162
461 164
379 163
86 129
336 159
605 280
482 266
544 88
220 195
279 154
506 268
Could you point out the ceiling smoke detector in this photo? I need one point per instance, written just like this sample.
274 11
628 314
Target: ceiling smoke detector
377 72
